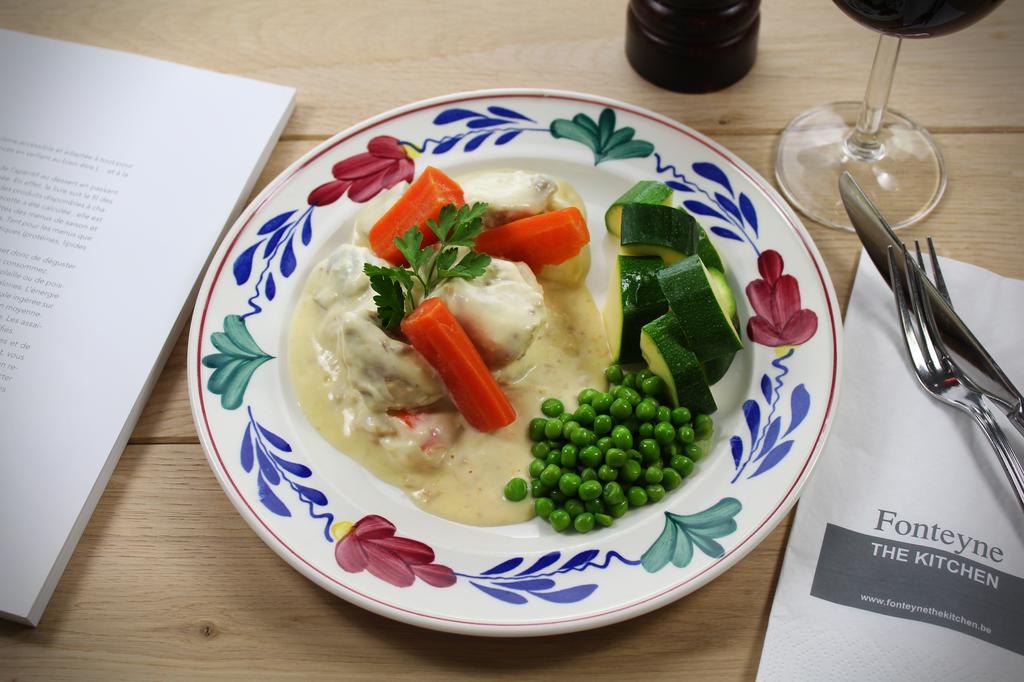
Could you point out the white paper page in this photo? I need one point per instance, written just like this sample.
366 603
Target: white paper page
906 559
117 176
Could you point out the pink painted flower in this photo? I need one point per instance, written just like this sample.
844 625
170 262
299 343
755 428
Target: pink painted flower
371 544
779 319
382 166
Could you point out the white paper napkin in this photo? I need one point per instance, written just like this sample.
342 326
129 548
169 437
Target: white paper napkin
877 583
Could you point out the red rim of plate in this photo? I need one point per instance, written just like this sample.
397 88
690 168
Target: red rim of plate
467 626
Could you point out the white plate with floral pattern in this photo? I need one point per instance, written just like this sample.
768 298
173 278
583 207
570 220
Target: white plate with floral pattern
364 540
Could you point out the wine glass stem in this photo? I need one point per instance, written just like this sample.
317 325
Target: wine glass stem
865 142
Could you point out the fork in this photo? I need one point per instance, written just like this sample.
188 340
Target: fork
934 367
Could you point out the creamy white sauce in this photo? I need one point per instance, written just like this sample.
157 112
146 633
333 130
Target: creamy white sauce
376 400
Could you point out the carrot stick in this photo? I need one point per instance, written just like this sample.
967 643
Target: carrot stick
440 339
545 239
422 201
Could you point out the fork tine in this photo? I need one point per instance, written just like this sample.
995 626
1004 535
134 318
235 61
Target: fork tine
917 304
940 281
920 258
932 335
906 324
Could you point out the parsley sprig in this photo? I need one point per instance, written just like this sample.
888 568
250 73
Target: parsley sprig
399 290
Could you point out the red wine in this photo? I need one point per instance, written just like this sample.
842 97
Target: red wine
917 18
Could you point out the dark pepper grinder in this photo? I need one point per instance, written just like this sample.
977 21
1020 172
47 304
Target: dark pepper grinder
692 45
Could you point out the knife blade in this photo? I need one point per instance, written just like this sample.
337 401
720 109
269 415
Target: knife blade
877 236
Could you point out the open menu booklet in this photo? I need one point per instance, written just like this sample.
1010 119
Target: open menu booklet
118 175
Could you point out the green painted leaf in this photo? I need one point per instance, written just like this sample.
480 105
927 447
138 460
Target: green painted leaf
224 344
720 512
706 544
683 553
234 327
660 553
620 136
635 149
222 376
718 531
587 123
605 127
568 129
235 391
215 360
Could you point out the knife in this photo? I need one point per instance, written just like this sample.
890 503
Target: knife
877 236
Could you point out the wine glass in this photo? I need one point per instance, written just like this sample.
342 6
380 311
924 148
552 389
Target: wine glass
893 159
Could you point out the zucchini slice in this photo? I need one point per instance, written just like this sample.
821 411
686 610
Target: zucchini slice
643 192
634 299
715 368
707 251
677 366
655 230
704 309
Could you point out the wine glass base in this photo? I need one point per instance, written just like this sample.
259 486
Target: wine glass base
905 181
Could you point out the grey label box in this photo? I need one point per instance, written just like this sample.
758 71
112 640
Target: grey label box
920 583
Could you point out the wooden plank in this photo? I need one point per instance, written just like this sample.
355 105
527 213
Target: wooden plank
984 198
351 59
169 582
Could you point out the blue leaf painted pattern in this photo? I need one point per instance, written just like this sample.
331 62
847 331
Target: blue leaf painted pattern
288 261
242 267
300 470
504 566
581 559
542 563
747 208
475 142
445 145
311 494
736 445
508 113
307 229
451 115
570 595
727 234
269 499
773 457
275 222
799 404
752 414
271 288
529 585
275 440
770 436
766 388
678 186
484 122
713 173
504 595
246 453
694 206
267 468
726 203
505 138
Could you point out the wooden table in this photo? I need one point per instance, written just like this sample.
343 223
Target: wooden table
168 581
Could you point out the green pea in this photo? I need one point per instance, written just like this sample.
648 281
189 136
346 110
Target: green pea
537 425
703 426
646 430
655 492
603 424
581 436
693 451
564 417
634 455
586 396
652 385
574 507
630 471
568 427
622 438
553 429
552 407
607 473
664 433
601 402
594 506
629 380
584 523
613 374
603 520
680 416
621 409
590 490
637 496
549 477
615 457
671 479
588 474
650 451
653 474
585 414
646 411
540 450
644 374
671 450
664 414
543 506
559 519
536 466
558 497
554 457
682 464
538 489
590 456
515 490
619 509
686 434
604 443
612 493
570 453
569 483
628 394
